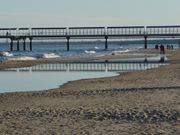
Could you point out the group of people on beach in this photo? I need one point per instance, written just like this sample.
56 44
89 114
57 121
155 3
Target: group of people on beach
162 48
170 47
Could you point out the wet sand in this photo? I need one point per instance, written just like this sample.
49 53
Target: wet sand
144 102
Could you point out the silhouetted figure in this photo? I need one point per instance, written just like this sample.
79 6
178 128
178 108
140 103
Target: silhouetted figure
162 49
172 47
156 47
106 61
168 47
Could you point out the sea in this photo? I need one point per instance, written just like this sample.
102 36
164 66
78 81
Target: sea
76 48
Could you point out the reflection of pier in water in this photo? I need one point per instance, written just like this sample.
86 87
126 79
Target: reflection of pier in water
122 66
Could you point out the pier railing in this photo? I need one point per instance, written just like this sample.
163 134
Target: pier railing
132 32
163 30
91 31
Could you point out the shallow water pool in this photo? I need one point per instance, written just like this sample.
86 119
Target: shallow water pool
34 81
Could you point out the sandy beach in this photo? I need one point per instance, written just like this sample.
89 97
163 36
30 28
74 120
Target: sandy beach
143 102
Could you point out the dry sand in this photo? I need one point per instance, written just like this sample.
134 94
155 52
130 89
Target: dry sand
144 102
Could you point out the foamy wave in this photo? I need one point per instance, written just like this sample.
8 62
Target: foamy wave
96 47
120 52
6 54
50 56
22 58
90 52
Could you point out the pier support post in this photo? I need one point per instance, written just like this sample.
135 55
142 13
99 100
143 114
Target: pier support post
145 42
24 44
30 44
106 42
18 45
11 45
68 38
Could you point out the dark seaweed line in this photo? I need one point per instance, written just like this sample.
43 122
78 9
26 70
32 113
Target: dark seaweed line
92 92
106 91
150 115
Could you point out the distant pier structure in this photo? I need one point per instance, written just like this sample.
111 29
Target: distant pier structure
20 36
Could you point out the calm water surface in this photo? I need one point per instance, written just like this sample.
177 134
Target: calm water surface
33 81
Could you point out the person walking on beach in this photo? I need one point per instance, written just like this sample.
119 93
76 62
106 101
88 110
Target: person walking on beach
172 47
156 47
162 49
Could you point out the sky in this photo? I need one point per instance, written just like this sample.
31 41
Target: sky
67 13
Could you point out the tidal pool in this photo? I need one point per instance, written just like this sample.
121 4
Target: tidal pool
35 81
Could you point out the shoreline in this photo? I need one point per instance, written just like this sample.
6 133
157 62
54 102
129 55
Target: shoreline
143 102
121 56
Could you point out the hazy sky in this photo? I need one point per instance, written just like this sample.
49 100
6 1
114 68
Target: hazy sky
21 13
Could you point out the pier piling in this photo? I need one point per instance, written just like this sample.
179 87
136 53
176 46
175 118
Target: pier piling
30 44
24 44
68 38
145 42
106 42
11 45
18 48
